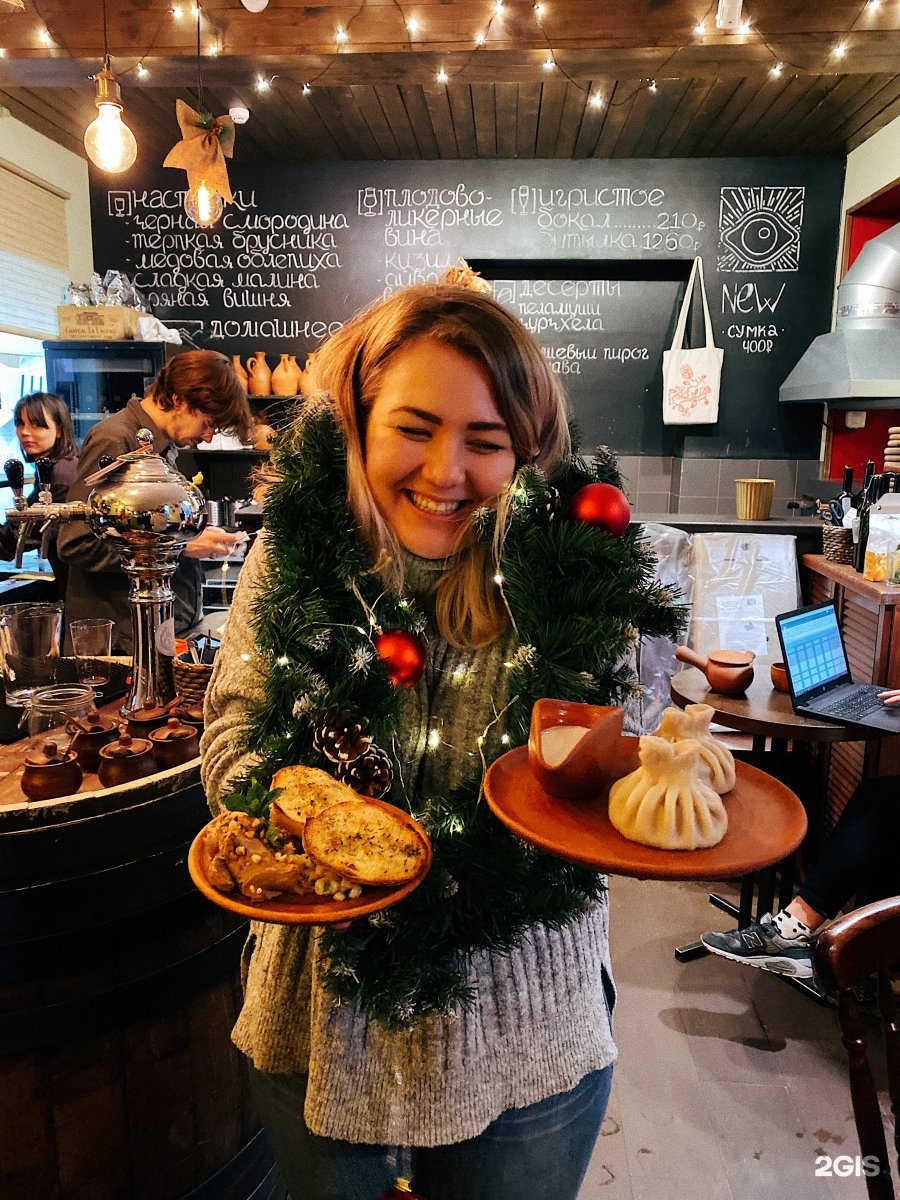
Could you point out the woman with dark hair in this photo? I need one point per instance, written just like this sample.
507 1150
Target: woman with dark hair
44 429
463 1036
194 395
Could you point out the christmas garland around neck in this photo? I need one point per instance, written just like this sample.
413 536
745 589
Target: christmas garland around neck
576 596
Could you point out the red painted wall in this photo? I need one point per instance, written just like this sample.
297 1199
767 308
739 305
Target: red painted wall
852 447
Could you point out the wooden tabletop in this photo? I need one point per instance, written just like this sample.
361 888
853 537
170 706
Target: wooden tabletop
762 710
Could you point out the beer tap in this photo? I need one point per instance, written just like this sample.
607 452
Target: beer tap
44 470
15 477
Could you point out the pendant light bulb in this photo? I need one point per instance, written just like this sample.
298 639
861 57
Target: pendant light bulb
203 205
109 142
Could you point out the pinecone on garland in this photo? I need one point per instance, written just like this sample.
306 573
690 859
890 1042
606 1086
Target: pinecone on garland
552 506
340 736
371 774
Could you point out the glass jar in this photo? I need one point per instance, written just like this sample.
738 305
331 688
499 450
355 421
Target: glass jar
52 712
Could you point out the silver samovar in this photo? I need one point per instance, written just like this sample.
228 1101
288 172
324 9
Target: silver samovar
147 511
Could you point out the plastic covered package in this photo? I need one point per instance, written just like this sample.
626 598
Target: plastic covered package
882 558
742 581
654 659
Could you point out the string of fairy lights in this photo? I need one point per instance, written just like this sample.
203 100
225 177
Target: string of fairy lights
741 29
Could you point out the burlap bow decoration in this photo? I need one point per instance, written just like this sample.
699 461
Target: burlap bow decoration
206 141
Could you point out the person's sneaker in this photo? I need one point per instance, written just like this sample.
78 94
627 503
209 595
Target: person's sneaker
760 944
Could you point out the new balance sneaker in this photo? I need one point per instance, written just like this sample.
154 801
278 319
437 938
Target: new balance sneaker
761 945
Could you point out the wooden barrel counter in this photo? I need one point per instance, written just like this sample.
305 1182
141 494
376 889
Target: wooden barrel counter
118 990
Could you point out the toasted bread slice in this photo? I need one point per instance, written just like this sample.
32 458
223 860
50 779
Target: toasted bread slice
368 842
307 791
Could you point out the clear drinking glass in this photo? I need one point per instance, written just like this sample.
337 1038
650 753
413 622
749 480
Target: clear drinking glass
91 645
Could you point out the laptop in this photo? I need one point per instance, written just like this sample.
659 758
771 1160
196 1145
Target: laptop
819 675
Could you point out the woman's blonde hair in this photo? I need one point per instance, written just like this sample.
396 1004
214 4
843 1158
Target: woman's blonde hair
349 369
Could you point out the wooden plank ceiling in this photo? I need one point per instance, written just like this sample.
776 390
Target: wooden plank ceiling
376 96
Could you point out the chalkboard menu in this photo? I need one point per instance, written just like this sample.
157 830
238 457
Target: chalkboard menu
593 256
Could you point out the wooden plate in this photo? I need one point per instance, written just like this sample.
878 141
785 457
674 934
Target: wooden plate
310 909
766 822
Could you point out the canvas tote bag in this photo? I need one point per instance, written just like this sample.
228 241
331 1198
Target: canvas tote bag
691 377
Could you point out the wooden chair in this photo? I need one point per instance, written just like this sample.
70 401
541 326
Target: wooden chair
864 942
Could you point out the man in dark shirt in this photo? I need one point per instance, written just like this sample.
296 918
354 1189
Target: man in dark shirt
193 396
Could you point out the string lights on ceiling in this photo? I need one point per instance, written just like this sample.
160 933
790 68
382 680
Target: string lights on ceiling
732 20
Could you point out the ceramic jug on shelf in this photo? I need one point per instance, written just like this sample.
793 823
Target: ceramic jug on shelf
239 370
260 377
286 377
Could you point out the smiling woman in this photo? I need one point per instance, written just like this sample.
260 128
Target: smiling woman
410 502
432 463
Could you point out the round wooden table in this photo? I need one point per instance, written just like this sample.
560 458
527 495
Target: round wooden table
761 710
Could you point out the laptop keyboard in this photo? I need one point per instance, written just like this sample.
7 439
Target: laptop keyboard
852 707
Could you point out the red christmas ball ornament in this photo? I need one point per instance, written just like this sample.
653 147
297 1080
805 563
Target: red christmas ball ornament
602 505
403 653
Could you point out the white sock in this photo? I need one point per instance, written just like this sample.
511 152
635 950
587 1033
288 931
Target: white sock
791 928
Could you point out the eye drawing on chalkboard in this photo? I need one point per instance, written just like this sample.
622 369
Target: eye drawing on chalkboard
759 228
760 237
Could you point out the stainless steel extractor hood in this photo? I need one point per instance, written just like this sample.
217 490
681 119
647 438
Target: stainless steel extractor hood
858 365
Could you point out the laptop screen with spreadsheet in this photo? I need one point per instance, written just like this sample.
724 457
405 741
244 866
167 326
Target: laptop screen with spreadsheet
813 649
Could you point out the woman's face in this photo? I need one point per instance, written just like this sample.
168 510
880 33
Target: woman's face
436 446
37 441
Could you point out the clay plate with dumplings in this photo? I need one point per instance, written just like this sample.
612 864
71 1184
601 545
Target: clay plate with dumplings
321 855
672 805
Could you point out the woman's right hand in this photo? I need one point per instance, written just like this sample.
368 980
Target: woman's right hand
891 697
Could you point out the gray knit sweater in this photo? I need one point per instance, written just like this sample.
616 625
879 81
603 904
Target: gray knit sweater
540 1020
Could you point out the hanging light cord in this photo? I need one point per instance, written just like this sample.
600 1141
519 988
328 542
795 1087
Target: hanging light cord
105 39
199 66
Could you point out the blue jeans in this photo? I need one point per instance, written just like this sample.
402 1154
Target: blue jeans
540 1152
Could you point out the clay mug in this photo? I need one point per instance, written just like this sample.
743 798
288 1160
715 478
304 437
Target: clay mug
286 377
50 772
259 376
174 743
125 760
778 675
576 750
729 672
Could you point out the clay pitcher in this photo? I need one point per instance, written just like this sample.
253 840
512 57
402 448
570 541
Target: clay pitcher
239 370
260 377
729 672
285 377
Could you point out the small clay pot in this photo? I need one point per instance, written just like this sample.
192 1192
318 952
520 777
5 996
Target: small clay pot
729 672
88 735
778 675
50 773
126 759
591 754
174 743
143 720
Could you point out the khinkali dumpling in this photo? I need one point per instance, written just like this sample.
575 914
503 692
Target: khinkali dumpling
668 802
693 722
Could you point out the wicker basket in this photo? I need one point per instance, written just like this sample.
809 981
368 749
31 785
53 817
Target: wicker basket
837 544
191 679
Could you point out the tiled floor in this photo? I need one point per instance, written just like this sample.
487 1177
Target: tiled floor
729 1084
